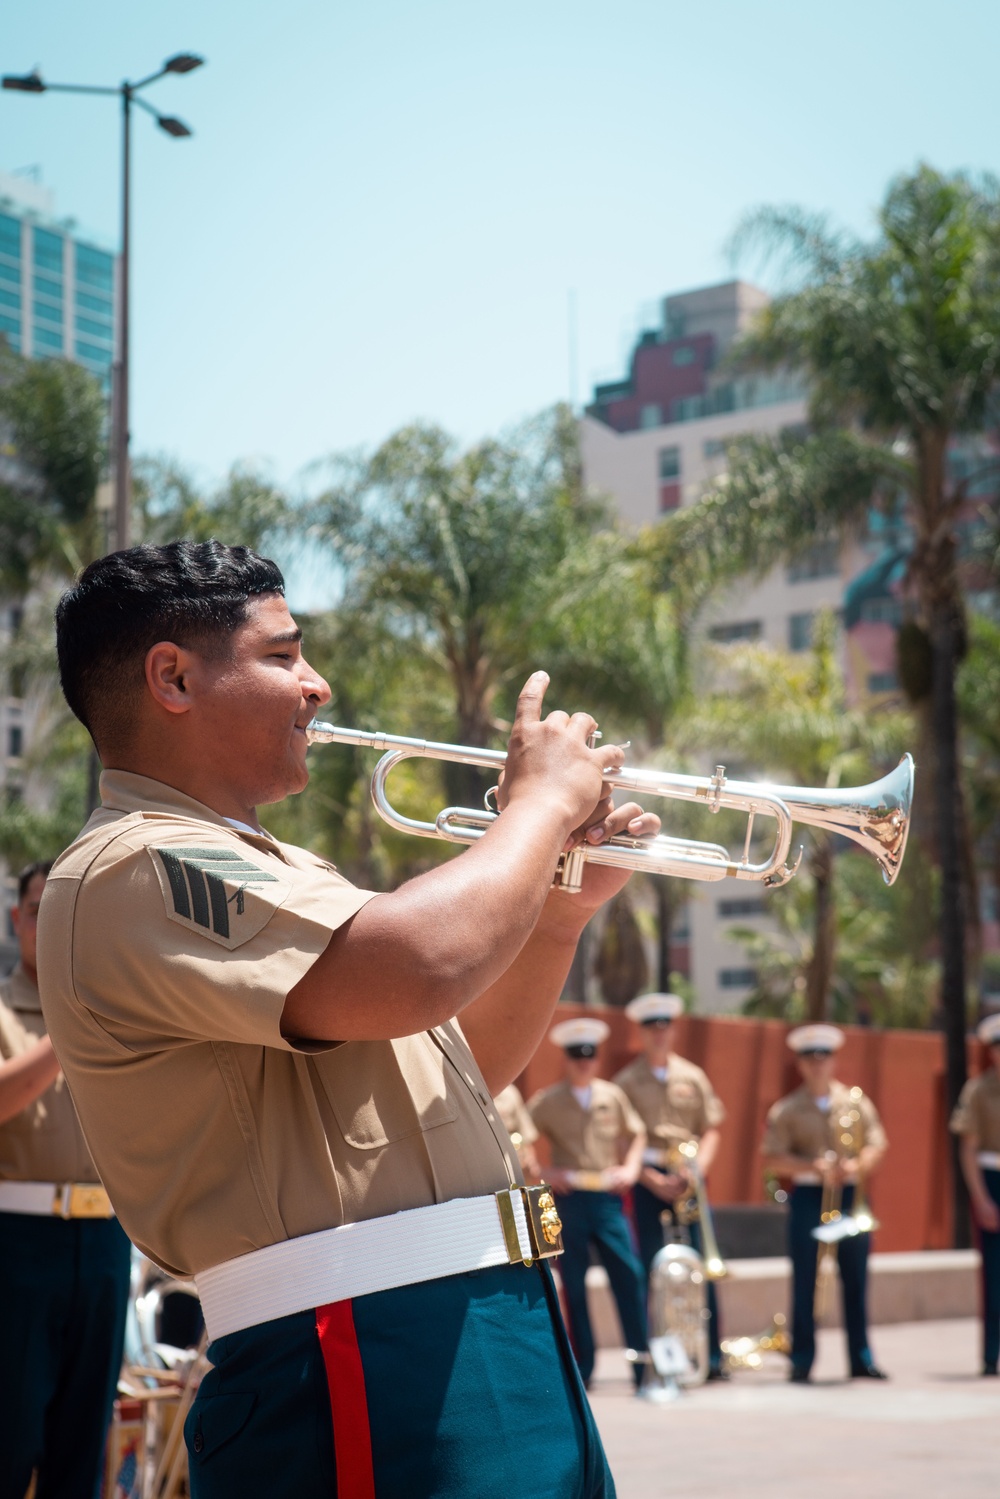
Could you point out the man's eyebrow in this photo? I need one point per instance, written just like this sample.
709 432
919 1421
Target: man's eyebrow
285 638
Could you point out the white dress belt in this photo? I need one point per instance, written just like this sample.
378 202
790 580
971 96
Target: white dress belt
990 1159
358 1259
807 1179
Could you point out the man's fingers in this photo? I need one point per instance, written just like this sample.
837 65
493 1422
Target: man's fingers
530 698
630 818
584 724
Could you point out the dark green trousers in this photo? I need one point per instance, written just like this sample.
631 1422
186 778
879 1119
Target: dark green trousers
65 1290
460 1388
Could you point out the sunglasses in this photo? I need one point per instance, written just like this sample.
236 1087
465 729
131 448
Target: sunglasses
812 1055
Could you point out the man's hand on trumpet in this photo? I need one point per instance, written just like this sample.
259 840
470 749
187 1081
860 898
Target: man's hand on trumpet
554 757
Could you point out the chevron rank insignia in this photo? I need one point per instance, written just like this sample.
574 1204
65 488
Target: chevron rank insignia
219 892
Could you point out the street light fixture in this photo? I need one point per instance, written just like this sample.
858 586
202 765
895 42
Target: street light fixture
33 83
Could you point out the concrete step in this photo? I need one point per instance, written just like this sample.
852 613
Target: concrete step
916 1286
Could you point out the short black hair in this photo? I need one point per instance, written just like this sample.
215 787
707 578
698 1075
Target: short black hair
28 873
194 593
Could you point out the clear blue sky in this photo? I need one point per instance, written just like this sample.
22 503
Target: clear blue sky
386 204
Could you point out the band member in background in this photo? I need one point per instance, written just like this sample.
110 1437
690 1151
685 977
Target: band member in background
596 1141
268 1066
676 1103
520 1126
977 1120
64 1260
803 1142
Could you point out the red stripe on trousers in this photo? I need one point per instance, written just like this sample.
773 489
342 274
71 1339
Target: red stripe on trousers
345 1378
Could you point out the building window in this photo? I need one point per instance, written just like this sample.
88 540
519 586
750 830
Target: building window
47 338
44 286
714 448
684 355
94 268
670 463
820 561
10 298
48 313
94 353
882 681
737 978
10 327
746 629
746 905
15 741
650 416
48 251
800 631
10 236
100 305
93 329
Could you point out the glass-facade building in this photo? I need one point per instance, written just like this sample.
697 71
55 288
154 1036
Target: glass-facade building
57 295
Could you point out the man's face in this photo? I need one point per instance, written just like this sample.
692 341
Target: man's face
257 703
656 1038
817 1068
25 920
581 1071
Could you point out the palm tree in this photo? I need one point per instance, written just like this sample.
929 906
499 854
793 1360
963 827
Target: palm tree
789 713
456 553
52 414
900 340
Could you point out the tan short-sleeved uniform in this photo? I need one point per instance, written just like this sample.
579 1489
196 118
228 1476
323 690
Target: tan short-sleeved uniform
168 942
796 1125
585 1139
978 1110
44 1143
680 1108
514 1114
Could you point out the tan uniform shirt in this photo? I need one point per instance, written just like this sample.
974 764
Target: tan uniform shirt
586 1139
169 942
44 1143
681 1108
978 1110
513 1112
796 1125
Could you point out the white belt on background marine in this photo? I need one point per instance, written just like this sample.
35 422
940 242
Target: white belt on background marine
56 1199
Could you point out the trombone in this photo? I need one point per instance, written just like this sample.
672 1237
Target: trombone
876 816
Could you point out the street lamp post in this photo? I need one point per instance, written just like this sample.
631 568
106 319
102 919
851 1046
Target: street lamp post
33 83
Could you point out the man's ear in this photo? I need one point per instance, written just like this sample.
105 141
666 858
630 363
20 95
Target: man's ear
169 670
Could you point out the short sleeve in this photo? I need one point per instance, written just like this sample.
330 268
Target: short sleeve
200 938
875 1134
538 1108
714 1108
632 1124
965 1118
777 1136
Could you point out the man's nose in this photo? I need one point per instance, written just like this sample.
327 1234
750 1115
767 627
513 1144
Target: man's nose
314 686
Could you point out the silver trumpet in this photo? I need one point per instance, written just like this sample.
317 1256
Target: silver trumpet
877 816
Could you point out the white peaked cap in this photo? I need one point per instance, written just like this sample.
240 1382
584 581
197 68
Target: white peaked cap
989 1030
815 1038
655 1007
581 1032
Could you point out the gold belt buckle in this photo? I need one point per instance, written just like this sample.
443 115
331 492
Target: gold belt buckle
81 1200
542 1217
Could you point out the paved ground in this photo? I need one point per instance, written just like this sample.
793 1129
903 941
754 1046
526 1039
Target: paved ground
934 1430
